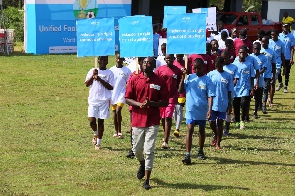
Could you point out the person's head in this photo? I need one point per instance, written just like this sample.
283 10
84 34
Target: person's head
163 49
179 57
242 52
219 63
199 66
256 48
169 58
274 34
265 42
260 34
208 48
286 28
102 62
214 44
140 62
119 60
234 32
229 43
225 55
223 35
286 14
155 28
220 25
243 34
148 65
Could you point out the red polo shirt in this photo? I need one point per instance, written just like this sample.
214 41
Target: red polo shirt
140 87
207 61
180 65
239 42
232 55
172 76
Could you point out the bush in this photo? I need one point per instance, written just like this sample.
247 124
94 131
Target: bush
14 19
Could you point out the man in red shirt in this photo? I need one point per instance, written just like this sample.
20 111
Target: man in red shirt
146 93
243 40
172 75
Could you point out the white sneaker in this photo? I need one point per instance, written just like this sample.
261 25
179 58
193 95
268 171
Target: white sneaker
279 87
285 89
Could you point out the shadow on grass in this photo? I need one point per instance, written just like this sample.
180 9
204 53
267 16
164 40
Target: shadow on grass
233 161
161 183
244 136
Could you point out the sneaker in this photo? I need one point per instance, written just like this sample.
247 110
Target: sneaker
201 155
176 133
237 125
146 185
165 145
97 147
255 115
264 110
187 160
120 135
226 132
130 154
285 89
242 125
279 87
141 172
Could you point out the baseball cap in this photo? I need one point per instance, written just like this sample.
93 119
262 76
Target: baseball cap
243 33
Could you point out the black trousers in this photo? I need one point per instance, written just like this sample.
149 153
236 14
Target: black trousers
287 74
258 98
241 102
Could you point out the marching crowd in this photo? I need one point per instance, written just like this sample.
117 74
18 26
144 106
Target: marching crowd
215 87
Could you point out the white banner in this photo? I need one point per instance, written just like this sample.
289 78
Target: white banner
211 17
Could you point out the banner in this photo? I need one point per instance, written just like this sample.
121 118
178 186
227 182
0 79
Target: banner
95 37
211 17
172 10
136 36
186 34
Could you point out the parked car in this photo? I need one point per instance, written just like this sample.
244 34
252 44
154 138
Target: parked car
252 21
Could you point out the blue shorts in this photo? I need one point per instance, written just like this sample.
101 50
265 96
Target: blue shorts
217 115
201 123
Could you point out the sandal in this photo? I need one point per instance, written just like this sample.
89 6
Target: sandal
115 135
94 140
120 135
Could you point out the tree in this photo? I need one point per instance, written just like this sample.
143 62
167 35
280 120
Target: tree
13 3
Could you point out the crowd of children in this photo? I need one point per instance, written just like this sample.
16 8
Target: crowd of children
213 87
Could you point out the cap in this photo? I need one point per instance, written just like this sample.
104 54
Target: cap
285 24
243 33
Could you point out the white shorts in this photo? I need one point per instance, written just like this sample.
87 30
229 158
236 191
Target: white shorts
101 111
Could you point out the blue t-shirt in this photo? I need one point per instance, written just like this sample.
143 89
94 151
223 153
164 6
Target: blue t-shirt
198 89
232 70
271 58
156 37
223 84
289 42
262 61
244 75
279 48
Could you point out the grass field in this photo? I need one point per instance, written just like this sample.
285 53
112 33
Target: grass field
46 149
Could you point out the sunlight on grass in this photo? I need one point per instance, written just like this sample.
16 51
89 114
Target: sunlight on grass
46 142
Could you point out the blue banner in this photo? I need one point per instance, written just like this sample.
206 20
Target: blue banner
95 37
172 10
136 36
186 34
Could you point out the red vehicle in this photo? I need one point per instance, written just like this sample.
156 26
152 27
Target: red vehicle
252 21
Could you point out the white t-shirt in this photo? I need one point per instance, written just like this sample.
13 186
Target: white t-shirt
132 65
221 44
98 94
161 59
121 76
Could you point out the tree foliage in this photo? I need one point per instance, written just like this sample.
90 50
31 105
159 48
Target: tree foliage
14 19
13 3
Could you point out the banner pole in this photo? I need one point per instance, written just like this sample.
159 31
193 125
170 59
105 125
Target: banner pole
185 62
136 65
95 62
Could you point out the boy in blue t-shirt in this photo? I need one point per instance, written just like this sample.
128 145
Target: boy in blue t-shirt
199 92
279 47
232 70
269 71
262 61
223 83
245 83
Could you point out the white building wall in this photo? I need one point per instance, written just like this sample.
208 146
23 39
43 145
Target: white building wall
274 8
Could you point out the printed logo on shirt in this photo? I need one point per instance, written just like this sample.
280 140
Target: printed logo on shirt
287 40
231 72
277 47
259 63
231 57
224 80
103 76
203 87
267 54
156 87
174 76
245 72
205 62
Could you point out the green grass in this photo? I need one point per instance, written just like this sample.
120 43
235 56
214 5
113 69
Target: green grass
46 149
